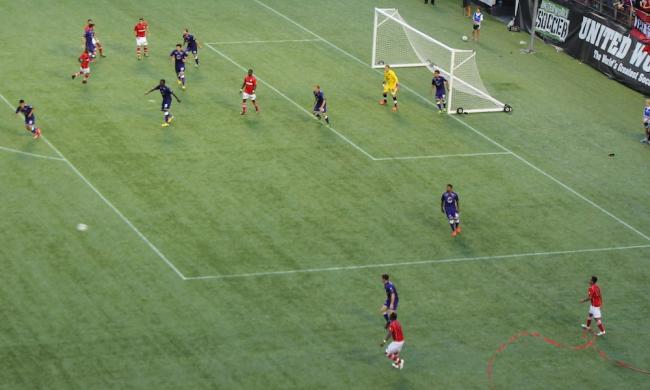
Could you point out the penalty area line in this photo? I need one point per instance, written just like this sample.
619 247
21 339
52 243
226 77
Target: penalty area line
418 262
442 156
10 150
262 42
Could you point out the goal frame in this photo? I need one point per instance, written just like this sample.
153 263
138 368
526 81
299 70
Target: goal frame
389 13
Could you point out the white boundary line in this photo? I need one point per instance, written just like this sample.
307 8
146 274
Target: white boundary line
254 42
108 203
539 170
357 147
30 154
418 262
441 156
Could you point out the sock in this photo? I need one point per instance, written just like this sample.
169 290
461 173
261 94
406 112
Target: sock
196 60
183 80
243 107
386 317
166 118
318 116
439 106
327 119
146 50
588 322
257 108
385 100
451 225
395 101
600 325
137 51
391 356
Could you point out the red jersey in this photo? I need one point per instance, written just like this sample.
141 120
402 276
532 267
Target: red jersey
250 83
395 329
141 29
594 295
84 58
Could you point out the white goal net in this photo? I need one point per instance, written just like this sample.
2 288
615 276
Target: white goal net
397 44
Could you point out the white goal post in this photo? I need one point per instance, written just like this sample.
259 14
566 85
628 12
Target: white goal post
396 43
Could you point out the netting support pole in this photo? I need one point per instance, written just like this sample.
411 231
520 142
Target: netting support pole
452 69
374 41
531 46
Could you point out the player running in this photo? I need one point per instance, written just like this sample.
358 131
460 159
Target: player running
320 104
441 86
395 347
646 122
248 91
166 94
392 299
90 26
30 119
192 46
84 69
89 43
391 84
450 206
178 59
477 19
141 31
593 295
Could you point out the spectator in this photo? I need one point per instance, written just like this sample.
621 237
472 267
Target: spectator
645 6
432 2
477 19
646 122
467 5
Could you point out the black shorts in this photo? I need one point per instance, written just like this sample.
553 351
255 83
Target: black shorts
467 3
476 27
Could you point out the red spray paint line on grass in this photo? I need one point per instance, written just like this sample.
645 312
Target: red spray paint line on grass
590 343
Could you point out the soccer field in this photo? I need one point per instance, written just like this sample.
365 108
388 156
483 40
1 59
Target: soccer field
245 252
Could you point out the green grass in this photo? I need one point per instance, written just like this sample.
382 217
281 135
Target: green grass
219 194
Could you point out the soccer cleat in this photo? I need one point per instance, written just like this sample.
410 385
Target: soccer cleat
242 113
183 88
394 109
84 81
454 234
74 76
37 134
395 365
401 364
382 102
600 333
583 326
644 140
196 65
166 124
178 82
458 230
327 120
171 118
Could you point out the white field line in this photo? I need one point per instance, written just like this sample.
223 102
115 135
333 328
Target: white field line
262 42
108 203
357 147
418 262
441 156
531 165
30 154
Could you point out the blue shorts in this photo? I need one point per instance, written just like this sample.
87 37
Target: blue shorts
192 49
440 95
317 108
387 304
166 105
30 120
90 48
180 68
451 214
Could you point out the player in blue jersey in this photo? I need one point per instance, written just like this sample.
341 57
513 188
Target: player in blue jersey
646 122
178 57
89 42
192 46
392 299
166 94
30 118
320 104
450 206
441 86
477 19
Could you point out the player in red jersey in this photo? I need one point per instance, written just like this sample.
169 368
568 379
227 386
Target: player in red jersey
248 91
395 347
84 60
90 26
141 31
593 295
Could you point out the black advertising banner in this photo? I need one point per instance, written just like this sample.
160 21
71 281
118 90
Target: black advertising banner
593 39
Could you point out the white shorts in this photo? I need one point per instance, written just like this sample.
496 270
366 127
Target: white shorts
141 41
394 347
84 70
245 96
594 311
94 41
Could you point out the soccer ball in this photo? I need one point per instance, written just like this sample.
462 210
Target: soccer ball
464 38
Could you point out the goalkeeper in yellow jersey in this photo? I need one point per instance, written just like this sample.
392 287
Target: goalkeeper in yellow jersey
391 85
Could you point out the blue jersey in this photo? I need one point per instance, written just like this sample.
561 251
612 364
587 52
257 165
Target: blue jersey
179 59
88 36
646 114
320 99
25 110
390 289
450 200
439 82
191 42
477 18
